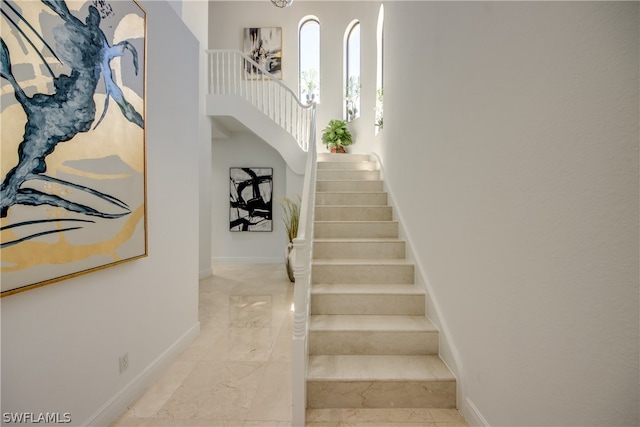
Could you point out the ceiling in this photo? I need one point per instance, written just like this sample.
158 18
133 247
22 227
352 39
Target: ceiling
222 126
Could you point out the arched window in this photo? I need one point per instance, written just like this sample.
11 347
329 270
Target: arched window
379 70
309 59
352 71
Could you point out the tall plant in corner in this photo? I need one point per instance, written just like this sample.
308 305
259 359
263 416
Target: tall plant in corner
291 220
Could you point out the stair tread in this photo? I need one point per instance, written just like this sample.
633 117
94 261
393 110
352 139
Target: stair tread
370 322
339 169
366 289
341 156
361 261
358 240
351 192
338 165
351 181
347 193
377 368
341 221
347 171
354 206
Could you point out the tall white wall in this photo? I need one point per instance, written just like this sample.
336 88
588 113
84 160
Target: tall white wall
511 147
61 342
195 14
227 19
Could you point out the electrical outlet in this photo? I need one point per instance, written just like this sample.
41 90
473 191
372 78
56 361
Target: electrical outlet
124 362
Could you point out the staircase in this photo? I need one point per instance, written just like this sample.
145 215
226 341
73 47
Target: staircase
370 344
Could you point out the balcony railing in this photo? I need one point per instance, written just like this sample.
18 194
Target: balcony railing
231 72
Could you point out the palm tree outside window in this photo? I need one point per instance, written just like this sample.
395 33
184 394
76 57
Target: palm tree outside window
379 72
309 59
352 72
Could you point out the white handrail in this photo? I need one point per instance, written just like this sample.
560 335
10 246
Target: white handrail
232 72
303 246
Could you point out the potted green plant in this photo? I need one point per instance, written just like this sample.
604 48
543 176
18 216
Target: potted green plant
291 220
336 136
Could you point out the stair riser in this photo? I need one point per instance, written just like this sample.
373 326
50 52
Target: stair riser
353 213
351 229
407 305
381 394
373 342
341 185
359 166
345 175
370 199
362 250
331 274
342 157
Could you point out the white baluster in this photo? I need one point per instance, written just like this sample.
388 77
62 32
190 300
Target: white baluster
243 73
211 74
263 91
235 75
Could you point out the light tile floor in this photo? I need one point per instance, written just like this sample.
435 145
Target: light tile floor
237 373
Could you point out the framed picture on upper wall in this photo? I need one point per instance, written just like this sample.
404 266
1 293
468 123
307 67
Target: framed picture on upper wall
73 169
251 191
264 47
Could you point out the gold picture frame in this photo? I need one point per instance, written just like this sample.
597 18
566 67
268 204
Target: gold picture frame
73 164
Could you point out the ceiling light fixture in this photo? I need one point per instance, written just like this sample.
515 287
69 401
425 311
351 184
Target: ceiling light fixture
282 3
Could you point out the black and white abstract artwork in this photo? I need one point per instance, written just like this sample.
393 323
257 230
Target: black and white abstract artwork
264 46
251 191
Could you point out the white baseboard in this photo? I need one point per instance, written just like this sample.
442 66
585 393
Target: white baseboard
471 413
249 260
134 389
448 352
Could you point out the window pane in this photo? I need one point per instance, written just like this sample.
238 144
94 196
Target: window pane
379 71
310 61
352 90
